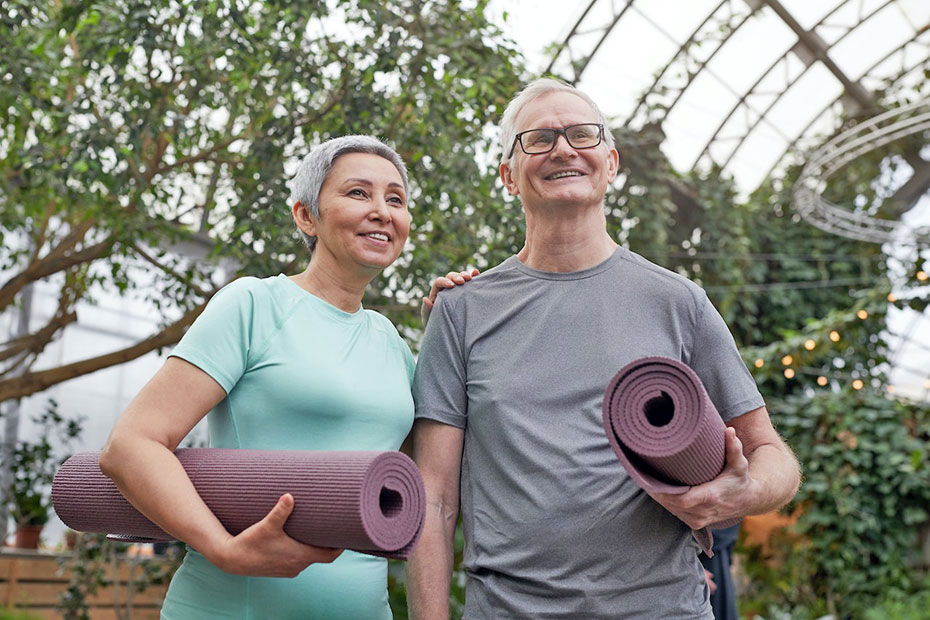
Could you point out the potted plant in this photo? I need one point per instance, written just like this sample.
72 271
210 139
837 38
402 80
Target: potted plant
33 466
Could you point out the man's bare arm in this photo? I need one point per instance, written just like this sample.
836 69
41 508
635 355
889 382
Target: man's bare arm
761 474
437 451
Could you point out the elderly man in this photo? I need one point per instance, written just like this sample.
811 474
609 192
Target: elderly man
509 386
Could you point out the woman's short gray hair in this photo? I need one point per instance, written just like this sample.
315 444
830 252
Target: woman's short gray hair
312 172
534 90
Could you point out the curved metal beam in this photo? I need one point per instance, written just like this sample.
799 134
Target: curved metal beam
764 114
579 67
743 101
791 148
683 55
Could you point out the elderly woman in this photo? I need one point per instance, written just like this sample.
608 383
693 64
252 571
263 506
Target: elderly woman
287 362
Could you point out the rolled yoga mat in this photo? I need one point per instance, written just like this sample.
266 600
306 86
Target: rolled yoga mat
372 502
665 430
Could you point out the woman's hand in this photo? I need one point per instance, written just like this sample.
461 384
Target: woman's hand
265 550
452 279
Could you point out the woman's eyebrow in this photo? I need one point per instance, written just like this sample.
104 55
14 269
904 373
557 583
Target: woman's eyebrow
361 181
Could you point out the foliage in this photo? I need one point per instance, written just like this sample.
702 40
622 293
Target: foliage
142 146
909 607
94 558
34 465
867 488
8 614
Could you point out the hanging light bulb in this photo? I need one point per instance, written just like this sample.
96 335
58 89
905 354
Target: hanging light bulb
809 345
862 314
922 275
821 381
787 360
857 384
835 336
760 363
892 297
789 373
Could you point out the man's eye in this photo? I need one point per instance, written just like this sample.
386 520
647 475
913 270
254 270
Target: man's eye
540 137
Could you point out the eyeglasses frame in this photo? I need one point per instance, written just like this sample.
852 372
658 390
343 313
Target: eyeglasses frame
558 132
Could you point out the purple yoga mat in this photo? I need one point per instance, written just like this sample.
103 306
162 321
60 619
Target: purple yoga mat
665 430
372 502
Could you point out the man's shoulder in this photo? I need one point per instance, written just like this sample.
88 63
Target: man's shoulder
649 276
489 281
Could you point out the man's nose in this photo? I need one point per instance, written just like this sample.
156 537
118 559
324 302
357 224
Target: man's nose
561 146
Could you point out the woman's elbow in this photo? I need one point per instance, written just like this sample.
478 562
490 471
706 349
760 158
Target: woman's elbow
109 459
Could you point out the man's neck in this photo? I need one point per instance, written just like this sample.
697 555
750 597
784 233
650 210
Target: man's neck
561 244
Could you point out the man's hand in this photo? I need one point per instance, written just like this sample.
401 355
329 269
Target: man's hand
265 550
720 499
451 279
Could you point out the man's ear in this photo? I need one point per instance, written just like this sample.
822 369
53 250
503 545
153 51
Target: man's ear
507 178
305 222
613 164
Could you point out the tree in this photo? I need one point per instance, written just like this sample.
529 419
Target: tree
129 128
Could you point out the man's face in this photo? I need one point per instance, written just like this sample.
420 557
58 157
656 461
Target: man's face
564 176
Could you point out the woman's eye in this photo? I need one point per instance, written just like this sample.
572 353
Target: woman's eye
357 192
396 200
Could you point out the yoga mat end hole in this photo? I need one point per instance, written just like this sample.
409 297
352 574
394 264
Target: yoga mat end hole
660 410
391 503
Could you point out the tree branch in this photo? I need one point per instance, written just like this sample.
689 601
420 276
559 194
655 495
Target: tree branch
53 262
168 270
33 382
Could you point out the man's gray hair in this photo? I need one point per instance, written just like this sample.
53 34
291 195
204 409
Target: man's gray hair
535 89
313 170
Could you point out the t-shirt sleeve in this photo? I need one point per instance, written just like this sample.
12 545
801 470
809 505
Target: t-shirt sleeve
716 360
439 384
218 342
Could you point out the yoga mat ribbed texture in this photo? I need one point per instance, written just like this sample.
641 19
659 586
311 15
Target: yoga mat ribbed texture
664 429
372 502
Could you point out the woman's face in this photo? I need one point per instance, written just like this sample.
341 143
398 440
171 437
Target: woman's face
364 221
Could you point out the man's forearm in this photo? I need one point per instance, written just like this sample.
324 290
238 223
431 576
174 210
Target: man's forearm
429 570
777 475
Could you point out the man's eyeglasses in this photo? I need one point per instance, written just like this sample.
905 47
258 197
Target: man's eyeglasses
538 141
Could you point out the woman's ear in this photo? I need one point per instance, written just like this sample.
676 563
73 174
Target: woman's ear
304 220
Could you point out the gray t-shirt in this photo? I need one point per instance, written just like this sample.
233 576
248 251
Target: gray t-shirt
520 358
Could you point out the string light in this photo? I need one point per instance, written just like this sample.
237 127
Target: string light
821 381
922 275
789 373
890 388
857 384
835 336
760 363
787 360
892 297
809 345
862 314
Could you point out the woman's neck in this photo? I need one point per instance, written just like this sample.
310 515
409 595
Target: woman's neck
339 289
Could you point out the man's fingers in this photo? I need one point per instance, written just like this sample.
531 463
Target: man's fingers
734 448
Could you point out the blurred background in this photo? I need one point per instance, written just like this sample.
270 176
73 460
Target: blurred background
774 151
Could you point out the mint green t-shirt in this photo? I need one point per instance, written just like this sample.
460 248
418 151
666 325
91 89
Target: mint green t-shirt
299 374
